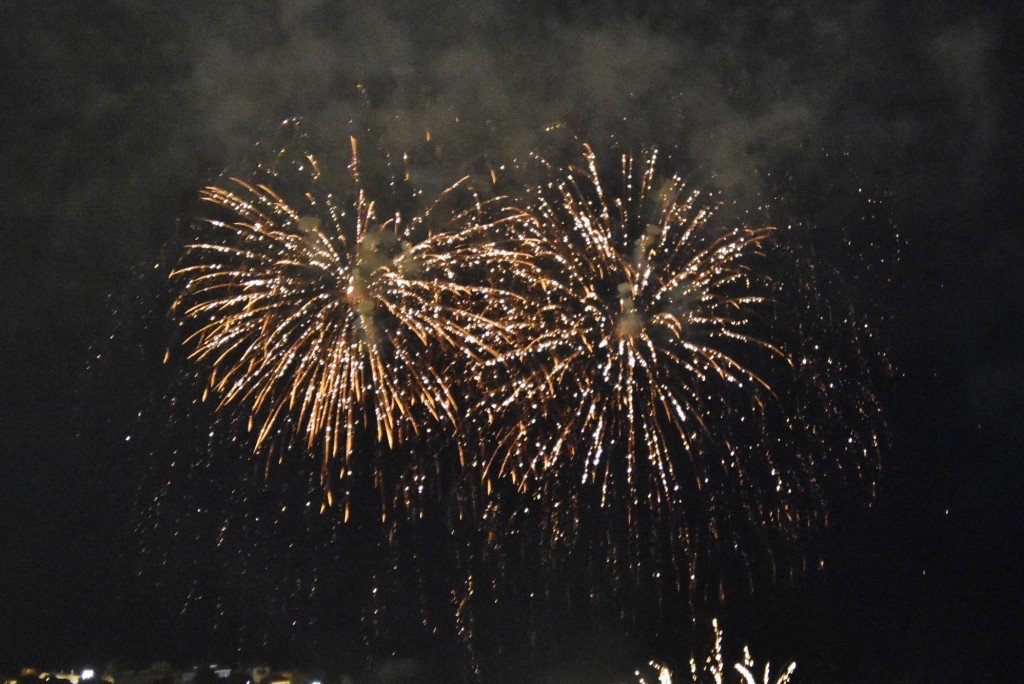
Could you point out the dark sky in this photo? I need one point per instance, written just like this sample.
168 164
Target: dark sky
114 113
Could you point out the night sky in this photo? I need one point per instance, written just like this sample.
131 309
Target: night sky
114 113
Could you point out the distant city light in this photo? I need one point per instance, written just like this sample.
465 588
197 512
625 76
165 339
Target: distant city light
88 673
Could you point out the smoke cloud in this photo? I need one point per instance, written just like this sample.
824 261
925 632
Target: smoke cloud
126 106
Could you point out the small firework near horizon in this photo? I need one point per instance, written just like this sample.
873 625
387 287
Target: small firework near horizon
713 667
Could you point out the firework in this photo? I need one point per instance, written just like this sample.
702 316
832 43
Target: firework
654 406
642 310
714 666
317 314
616 370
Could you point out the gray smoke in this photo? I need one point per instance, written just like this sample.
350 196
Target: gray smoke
126 105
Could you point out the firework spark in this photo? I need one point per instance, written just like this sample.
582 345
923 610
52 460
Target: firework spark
318 314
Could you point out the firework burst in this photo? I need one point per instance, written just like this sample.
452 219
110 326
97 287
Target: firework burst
318 315
643 307
653 393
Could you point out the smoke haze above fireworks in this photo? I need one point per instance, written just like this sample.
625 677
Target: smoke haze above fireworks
736 87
